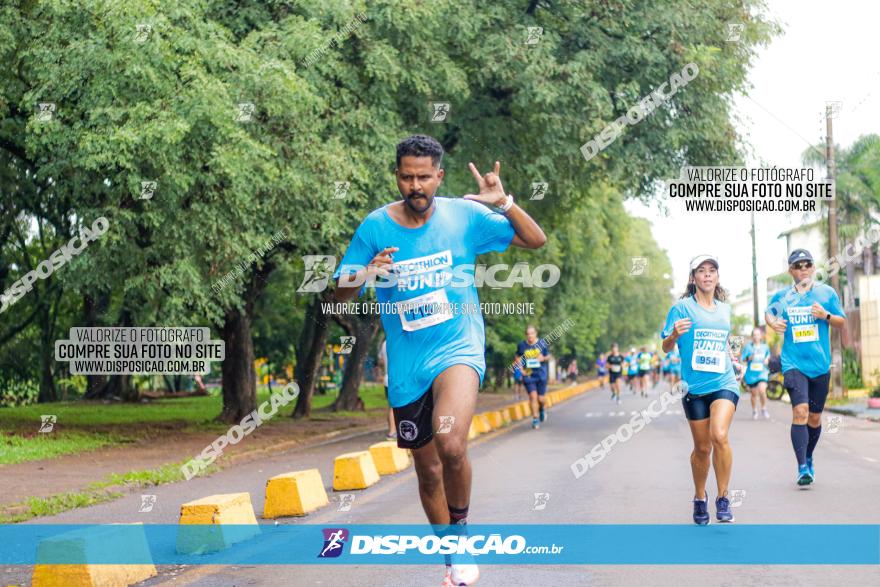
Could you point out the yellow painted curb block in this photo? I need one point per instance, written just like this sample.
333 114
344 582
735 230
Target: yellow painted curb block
294 494
495 419
354 470
548 401
388 458
472 430
87 544
482 424
505 417
526 409
216 522
515 411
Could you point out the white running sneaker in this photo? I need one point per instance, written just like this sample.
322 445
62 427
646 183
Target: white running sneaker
463 574
765 413
754 414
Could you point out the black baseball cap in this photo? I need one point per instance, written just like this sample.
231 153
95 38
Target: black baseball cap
799 255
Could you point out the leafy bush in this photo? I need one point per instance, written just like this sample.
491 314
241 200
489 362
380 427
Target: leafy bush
18 393
852 370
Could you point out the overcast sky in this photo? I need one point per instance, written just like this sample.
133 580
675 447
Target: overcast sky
828 51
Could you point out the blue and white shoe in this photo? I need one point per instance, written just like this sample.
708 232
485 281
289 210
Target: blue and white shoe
701 512
722 510
804 475
810 468
535 423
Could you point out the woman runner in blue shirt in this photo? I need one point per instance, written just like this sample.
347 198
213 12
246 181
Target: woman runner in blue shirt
700 324
756 357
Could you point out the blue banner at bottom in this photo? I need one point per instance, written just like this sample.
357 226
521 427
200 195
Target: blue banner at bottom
301 544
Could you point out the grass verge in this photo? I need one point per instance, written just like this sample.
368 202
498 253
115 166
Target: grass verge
112 487
86 426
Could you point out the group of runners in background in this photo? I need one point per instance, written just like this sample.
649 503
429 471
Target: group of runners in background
640 370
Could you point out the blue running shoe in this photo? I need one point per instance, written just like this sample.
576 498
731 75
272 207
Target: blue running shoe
722 510
804 476
535 424
810 468
701 512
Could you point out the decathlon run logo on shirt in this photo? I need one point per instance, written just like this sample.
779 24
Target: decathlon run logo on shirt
427 271
709 347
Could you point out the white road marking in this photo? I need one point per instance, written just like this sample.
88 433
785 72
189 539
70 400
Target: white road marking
870 460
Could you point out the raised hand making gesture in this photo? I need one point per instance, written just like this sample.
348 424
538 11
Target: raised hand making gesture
491 191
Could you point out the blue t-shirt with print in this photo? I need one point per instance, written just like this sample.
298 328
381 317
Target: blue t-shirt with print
633 365
435 321
705 364
753 357
533 369
807 343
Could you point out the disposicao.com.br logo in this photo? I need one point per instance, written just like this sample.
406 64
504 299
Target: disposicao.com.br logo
414 544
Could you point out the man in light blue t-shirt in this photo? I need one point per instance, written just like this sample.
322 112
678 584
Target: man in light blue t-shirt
804 314
420 254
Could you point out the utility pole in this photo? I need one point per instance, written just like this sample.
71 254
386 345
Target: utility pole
837 389
754 277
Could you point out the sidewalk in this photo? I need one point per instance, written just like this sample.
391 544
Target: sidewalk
857 409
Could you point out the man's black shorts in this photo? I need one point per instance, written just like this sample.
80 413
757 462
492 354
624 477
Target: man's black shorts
415 422
614 376
807 390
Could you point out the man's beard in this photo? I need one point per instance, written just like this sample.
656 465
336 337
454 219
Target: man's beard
419 205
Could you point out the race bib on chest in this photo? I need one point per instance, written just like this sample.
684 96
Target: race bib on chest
424 311
803 324
709 350
756 366
805 333
533 364
615 368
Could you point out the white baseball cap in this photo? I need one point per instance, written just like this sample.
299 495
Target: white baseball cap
700 259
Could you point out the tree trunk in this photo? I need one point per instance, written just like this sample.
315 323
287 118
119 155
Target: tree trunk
96 385
48 393
309 353
121 386
363 329
239 375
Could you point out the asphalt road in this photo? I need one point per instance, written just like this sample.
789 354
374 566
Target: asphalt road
645 480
